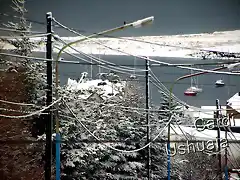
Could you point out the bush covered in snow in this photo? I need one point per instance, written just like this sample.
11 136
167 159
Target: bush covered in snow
83 157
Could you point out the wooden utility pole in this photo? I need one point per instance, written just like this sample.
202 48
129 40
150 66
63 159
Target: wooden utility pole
148 121
168 153
218 139
226 153
49 116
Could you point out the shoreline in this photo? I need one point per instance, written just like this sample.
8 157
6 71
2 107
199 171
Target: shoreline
191 46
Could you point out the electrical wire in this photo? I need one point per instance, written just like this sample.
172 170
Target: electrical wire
188 68
229 129
14 30
174 46
151 60
73 74
16 103
24 36
13 110
145 58
141 109
35 21
165 89
122 107
196 109
214 71
88 38
233 157
25 57
61 61
122 72
32 114
112 148
101 61
159 62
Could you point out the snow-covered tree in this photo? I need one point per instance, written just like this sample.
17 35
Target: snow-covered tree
85 158
176 108
22 44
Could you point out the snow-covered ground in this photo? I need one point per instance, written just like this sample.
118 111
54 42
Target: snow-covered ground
170 46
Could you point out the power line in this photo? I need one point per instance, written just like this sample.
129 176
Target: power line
35 21
16 103
25 57
112 148
119 71
33 113
15 30
151 60
159 63
23 36
99 60
13 110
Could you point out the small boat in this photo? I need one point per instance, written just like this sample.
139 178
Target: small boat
194 85
189 92
219 83
195 89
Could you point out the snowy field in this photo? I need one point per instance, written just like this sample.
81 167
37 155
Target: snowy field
185 46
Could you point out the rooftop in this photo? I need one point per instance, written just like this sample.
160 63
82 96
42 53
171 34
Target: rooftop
234 102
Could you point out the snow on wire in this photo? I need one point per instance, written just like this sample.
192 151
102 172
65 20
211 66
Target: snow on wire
108 146
32 114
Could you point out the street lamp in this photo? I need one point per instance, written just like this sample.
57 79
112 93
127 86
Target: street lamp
135 24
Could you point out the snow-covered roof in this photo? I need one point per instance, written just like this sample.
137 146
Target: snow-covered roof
103 88
203 135
234 102
235 122
204 112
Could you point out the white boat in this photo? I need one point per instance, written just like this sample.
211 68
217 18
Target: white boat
195 89
194 85
219 83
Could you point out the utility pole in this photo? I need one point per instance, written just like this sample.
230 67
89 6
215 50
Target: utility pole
49 116
226 154
148 121
168 153
218 139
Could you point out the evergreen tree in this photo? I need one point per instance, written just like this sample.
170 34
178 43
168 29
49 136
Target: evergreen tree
23 45
176 108
84 158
